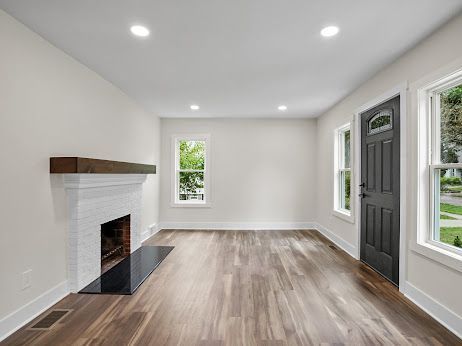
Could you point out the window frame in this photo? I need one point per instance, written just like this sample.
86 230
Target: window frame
428 100
339 171
435 164
175 201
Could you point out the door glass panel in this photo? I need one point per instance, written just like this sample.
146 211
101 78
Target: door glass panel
380 122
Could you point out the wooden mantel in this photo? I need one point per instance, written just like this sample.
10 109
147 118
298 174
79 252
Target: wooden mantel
82 165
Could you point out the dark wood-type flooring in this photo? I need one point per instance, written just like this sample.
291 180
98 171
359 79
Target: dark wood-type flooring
247 288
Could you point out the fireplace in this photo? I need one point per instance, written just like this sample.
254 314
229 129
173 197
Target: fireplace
115 242
95 200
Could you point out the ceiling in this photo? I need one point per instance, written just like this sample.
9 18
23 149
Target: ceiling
234 58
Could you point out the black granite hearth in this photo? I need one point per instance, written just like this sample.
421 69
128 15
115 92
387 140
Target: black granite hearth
129 274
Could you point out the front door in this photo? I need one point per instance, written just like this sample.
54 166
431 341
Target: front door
380 190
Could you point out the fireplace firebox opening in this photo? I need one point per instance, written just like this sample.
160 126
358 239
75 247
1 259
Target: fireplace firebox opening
115 242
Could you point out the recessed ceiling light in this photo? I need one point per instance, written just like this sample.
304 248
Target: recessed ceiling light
194 107
330 31
282 108
140 31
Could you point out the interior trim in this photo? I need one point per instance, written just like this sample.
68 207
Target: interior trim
150 231
238 225
343 244
438 311
17 319
401 90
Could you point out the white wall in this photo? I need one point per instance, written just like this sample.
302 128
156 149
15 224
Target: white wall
441 283
51 105
261 170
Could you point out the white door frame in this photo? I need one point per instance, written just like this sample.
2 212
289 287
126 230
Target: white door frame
400 90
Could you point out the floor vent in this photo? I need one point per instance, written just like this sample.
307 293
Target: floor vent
332 247
49 320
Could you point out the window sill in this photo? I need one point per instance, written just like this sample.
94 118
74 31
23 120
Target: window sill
438 254
190 205
345 216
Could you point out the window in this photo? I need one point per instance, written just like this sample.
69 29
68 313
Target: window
342 183
191 170
444 104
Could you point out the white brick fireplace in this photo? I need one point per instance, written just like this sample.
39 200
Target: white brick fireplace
95 199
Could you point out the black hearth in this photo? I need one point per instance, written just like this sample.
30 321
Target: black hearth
126 276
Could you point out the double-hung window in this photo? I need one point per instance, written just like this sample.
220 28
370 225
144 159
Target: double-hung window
191 170
443 102
342 179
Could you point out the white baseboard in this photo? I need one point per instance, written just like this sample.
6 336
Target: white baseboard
344 245
439 312
238 225
150 231
12 322
350 249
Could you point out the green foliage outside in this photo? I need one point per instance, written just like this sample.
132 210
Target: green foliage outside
449 235
458 241
450 184
380 121
347 164
451 124
190 182
450 208
451 145
451 181
347 190
347 145
192 157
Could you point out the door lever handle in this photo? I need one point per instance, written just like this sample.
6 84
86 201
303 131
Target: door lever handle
362 195
362 185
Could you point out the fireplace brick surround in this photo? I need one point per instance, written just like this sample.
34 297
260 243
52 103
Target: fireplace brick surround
95 199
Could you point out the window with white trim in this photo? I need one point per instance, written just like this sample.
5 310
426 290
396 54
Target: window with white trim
443 102
191 173
342 183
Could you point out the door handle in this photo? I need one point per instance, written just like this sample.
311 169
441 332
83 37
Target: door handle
362 185
362 195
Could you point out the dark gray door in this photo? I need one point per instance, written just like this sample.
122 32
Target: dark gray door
380 190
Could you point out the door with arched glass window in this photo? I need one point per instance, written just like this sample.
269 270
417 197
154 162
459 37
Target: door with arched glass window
380 188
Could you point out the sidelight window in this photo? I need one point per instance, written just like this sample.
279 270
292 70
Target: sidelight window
342 179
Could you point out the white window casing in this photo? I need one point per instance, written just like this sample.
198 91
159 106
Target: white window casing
341 170
175 172
429 165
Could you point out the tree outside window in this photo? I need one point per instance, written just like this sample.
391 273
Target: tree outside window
191 181
447 171
342 202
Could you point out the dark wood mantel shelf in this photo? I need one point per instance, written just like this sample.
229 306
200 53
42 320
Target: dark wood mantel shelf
82 165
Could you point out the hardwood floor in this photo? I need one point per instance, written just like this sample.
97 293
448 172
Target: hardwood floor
247 288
